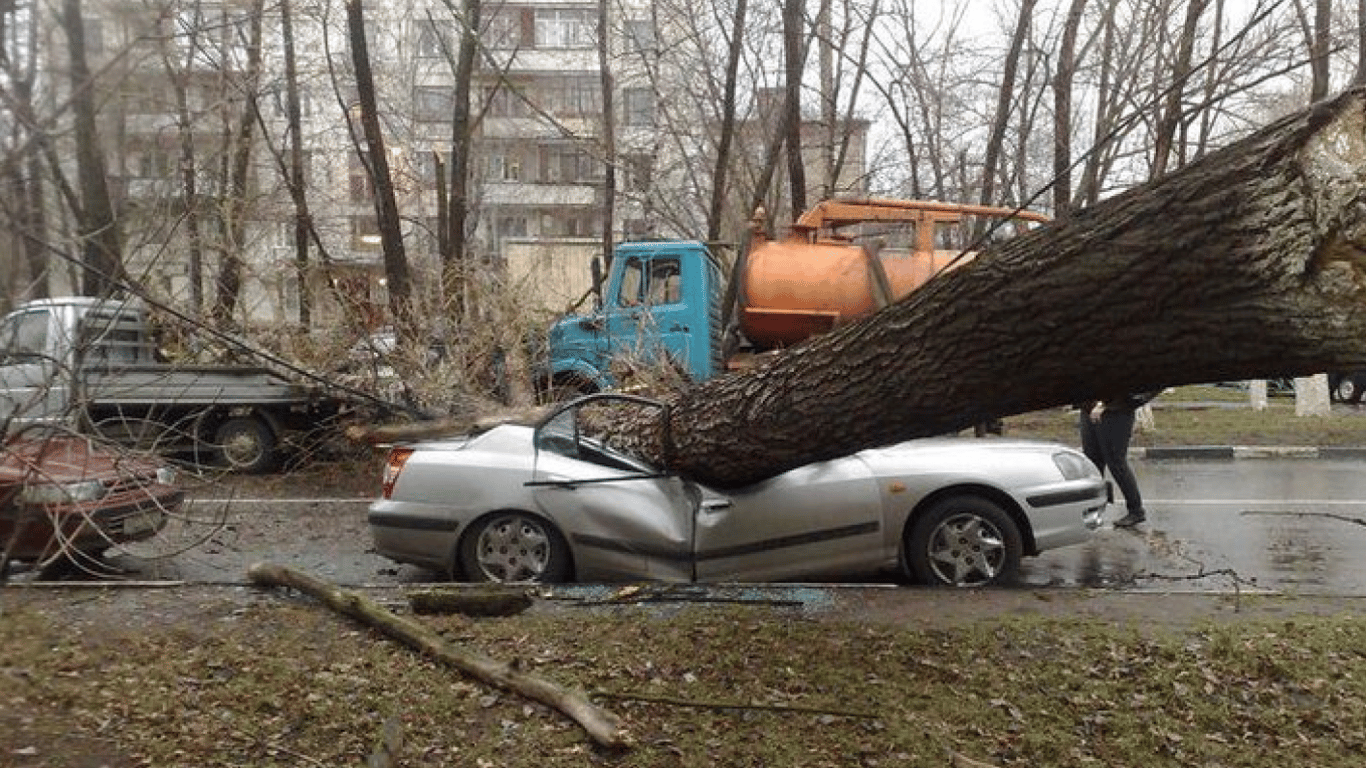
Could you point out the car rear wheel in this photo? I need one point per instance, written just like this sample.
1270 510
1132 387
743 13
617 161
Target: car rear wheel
246 444
514 547
964 541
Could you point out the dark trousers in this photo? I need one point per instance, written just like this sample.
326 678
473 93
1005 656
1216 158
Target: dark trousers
1106 444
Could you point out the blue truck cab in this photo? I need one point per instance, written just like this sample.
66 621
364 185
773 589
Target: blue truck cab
661 301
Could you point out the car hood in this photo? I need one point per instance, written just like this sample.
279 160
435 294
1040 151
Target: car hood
65 459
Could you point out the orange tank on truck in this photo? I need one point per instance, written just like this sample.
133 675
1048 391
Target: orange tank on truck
821 274
670 300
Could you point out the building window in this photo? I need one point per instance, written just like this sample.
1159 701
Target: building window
362 191
502 166
429 41
512 226
572 96
567 164
639 172
504 28
433 104
505 102
640 36
564 28
94 36
155 164
638 106
365 233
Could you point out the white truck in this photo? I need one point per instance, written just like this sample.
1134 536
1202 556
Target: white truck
92 365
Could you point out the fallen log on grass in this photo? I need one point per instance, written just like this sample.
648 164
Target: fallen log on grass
602 726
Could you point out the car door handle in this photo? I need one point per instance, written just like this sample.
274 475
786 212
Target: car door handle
719 505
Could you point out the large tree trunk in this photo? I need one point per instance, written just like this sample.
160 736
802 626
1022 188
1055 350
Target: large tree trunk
1245 264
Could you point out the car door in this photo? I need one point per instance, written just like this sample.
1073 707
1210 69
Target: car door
818 520
31 391
650 314
621 519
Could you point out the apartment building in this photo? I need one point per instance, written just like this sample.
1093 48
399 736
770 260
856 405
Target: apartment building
175 82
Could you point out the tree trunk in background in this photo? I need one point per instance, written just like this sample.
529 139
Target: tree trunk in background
794 58
734 49
609 131
1320 43
235 206
303 219
1359 77
396 269
1170 118
995 142
1062 112
1242 265
454 250
101 244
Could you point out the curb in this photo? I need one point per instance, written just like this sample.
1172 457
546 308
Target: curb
1230 452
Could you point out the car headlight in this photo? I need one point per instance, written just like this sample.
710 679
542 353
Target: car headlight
1074 466
62 493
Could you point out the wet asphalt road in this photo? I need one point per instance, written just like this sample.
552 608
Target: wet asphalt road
1284 525
1295 526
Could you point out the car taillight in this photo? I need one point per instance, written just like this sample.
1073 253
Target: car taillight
392 467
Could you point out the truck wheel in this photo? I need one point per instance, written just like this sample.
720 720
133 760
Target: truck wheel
246 444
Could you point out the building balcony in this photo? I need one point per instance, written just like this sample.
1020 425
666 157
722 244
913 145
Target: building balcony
522 194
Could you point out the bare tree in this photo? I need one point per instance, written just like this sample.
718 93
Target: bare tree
101 241
609 129
295 177
1062 111
376 161
236 202
726 129
1005 98
794 62
1170 116
454 234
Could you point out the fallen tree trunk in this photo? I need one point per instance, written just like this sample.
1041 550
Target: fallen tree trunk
1248 263
602 726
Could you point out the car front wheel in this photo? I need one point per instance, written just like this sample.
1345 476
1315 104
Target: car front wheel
514 547
964 541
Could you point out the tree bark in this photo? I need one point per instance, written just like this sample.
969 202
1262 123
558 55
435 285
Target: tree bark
726 132
794 60
454 248
236 204
1244 264
1006 97
396 270
101 240
602 726
303 219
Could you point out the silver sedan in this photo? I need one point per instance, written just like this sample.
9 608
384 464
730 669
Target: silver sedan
549 503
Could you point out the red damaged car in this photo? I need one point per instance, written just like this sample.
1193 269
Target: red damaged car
63 496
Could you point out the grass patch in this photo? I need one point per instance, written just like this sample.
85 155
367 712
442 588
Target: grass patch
1205 415
289 684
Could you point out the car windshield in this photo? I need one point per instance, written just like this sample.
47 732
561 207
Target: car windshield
585 432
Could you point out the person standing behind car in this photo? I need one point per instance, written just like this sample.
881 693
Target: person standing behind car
1106 429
